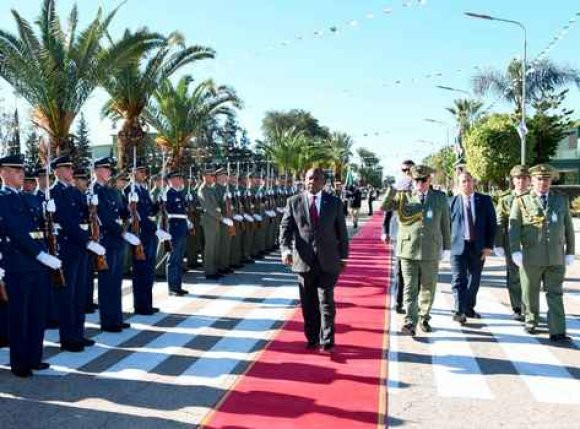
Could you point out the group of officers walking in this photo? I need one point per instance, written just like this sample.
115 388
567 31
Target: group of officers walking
56 235
530 226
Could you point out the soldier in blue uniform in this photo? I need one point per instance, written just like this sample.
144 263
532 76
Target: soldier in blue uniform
3 303
27 264
74 244
176 206
143 273
111 210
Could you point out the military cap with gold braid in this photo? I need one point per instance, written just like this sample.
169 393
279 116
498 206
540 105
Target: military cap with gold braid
543 170
421 171
519 171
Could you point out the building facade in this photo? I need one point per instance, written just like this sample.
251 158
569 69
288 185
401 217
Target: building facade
567 158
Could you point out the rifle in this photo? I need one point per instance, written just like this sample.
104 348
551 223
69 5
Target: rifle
3 293
57 275
162 207
138 251
238 199
100 260
228 204
191 210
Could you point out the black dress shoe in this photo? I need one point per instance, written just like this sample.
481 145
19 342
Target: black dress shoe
425 326
4 342
327 347
518 317
144 312
89 310
87 342
399 309
249 261
473 315
178 292
72 347
21 372
408 329
310 345
41 366
111 328
125 325
560 338
458 317
212 277
530 329
155 310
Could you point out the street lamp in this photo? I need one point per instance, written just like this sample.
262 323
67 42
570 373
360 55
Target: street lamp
522 129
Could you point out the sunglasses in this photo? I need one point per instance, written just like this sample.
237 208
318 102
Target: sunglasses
405 170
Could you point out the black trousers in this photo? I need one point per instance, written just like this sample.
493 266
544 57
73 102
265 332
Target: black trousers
318 306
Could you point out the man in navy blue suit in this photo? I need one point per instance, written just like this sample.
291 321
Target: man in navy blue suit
473 227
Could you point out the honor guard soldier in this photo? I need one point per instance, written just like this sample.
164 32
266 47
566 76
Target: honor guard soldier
424 239
195 237
111 210
520 178
27 263
30 180
176 206
143 273
225 239
236 207
71 219
210 222
3 299
542 244
249 224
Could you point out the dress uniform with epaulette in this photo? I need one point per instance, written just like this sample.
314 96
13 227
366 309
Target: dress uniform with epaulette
225 240
27 265
249 224
176 206
424 237
211 218
502 246
542 244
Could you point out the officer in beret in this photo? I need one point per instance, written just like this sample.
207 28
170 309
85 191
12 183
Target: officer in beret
112 212
71 219
211 219
176 206
424 238
143 273
520 177
542 245
27 264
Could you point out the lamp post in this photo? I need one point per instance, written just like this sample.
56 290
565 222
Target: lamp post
522 129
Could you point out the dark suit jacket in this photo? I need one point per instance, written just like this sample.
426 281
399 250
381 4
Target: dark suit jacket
326 243
485 223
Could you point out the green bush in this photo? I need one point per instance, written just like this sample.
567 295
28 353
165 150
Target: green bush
576 206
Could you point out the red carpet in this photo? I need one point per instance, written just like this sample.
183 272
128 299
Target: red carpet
290 387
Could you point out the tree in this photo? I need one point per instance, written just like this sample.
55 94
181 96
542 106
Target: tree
244 139
82 153
466 113
339 152
13 137
443 162
130 87
56 70
493 148
179 114
298 119
31 148
229 132
369 170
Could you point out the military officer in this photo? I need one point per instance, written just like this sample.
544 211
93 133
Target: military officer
424 239
27 263
195 236
176 206
236 247
143 272
249 223
112 211
210 222
521 182
71 219
259 243
542 244
225 239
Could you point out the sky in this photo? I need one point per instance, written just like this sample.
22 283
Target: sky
365 67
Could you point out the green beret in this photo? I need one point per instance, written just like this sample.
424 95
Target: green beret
543 170
519 171
421 171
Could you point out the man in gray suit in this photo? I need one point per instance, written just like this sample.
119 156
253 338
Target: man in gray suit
314 241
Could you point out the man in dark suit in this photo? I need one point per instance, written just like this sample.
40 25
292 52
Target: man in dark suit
314 241
473 228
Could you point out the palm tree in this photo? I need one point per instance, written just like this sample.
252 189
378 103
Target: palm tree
179 115
466 112
132 86
542 78
339 151
56 70
283 146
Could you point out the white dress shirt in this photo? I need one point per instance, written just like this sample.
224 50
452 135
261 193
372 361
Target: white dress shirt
466 223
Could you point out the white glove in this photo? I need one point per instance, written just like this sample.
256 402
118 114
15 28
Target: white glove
518 258
96 248
248 217
445 255
499 251
133 197
162 235
258 217
50 206
163 197
227 221
189 224
189 197
570 260
94 200
2 272
49 260
383 237
238 218
132 239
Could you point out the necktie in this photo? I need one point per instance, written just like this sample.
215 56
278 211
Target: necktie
470 224
313 211
422 198
544 199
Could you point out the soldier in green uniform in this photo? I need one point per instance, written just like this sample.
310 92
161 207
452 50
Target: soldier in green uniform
210 222
249 223
194 243
520 177
259 245
225 239
236 213
542 244
424 239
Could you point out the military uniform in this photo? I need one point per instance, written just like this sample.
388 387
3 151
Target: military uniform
424 231
259 244
542 242
194 243
236 246
210 222
249 224
225 240
176 206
